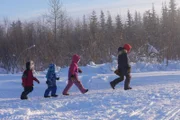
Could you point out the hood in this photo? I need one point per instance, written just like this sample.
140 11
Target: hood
52 67
28 66
75 58
51 70
120 49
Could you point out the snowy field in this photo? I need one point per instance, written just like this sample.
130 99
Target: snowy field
155 96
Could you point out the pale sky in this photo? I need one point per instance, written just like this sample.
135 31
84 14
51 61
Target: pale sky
29 9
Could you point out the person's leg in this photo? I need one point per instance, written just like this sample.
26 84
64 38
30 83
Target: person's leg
116 81
30 89
127 82
69 85
46 93
53 93
23 94
80 86
26 91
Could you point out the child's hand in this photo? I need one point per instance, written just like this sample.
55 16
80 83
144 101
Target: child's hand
117 72
129 70
79 70
38 82
47 82
73 78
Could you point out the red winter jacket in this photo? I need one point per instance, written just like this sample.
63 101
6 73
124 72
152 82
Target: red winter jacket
73 70
27 78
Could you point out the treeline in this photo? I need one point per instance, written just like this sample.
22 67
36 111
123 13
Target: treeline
95 38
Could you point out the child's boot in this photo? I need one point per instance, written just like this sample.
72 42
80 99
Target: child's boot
47 96
54 95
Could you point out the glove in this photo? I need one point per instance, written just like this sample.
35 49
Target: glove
79 70
22 84
57 78
117 72
72 77
38 81
129 69
47 82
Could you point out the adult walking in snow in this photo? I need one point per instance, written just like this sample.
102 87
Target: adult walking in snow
124 67
51 81
73 76
27 80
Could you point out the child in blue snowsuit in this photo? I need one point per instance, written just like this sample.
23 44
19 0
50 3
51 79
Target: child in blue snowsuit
51 81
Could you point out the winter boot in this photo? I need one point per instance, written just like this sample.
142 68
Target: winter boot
54 95
66 94
128 88
116 81
47 96
24 98
112 85
86 91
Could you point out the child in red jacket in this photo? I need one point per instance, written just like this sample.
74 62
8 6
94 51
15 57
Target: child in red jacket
27 80
73 76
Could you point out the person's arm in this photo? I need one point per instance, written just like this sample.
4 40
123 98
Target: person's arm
24 78
49 80
34 78
127 65
72 70
23 81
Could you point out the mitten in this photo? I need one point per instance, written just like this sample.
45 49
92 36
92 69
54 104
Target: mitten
47 82
79 70
129 69
73 77
117 72
38 81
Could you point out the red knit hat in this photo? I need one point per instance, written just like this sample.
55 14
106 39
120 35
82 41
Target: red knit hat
127 47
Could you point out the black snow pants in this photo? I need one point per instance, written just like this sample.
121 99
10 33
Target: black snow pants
26 91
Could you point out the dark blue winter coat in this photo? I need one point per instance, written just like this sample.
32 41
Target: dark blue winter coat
51 76
123 61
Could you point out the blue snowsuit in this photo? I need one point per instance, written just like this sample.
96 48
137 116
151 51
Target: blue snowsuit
51 81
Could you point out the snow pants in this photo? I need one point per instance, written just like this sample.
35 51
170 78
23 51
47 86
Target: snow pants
120 79
26 91
51 89
77 83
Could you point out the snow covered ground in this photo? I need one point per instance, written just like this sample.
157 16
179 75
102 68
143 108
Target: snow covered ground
155 96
